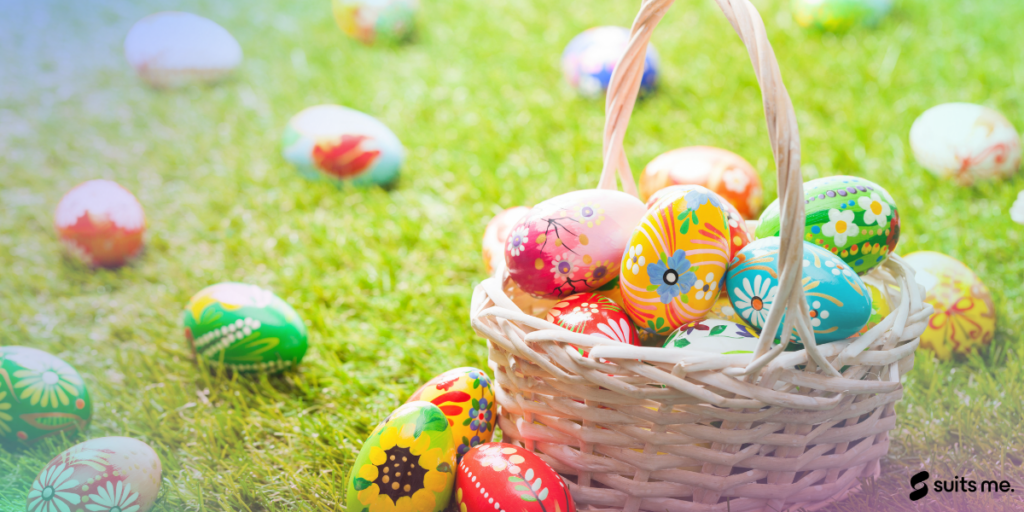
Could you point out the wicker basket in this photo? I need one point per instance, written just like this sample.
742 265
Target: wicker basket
643 428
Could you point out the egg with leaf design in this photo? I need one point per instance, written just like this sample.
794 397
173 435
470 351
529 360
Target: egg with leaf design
108 474
466 397
714 336
41 396
673 267
838 301
571 243
501 477
407 463
245 328
590 313
739 235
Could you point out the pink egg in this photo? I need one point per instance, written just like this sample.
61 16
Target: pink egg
572 243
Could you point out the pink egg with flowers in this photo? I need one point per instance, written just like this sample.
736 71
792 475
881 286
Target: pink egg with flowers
572 243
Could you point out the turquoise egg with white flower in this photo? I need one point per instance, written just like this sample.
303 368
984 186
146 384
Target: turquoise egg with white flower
837 298
851 217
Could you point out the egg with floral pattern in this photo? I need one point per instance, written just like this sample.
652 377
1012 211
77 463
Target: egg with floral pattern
109 474
172 49
501 477
966 142
718 170
739 235
590 313
342 145
466 397
964 320
100 223
838 300
591 56
851 217
372 21
496 234
714 336
571 243
407 463
245 328
41 396
723 310
839 15
672 269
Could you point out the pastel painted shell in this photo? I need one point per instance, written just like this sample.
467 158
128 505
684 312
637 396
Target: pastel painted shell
965 142
852 217
839 15
100 223
501 477
673 267
496 234
714 336
171 49
964 320
591 56
40 396
342 145
838 300
718 170
739 235
371 21
572 243
106 474
407 463
590 313
466 397
245 328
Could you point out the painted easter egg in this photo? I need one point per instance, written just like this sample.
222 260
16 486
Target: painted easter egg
851 217
723 310
591 56
590 313
879 304
714 336
504 478
572 243
720 171
739 235
964 320
407 463
466 398
338 144
40 396
245 328
677 256
170 49
370 21
965 142
100 223
496 235
108 474
839 15
838 300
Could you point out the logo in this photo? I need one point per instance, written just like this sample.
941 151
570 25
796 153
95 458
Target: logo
922 491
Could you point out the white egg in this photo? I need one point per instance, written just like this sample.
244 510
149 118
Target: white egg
966 142
170 49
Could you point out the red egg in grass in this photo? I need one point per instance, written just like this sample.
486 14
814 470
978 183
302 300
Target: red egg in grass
590 313
101 223
739 233
501 477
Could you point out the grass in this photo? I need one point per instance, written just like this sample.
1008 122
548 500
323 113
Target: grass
383 279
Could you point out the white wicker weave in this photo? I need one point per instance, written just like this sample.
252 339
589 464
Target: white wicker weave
645 428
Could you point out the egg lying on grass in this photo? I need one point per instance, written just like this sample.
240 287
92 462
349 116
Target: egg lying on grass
170 49
41 396
965 143
100 223
466 397
590 58
373 21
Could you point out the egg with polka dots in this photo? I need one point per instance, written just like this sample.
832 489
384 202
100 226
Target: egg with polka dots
838 300
105 474
506 478
41 396
853 218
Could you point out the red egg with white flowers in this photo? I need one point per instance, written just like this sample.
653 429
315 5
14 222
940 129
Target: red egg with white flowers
501 477
739 233
590 313
101 223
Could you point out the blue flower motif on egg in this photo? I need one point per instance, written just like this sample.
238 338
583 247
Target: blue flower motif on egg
838 300
671 276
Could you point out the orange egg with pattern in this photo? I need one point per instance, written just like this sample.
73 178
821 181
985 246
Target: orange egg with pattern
675 261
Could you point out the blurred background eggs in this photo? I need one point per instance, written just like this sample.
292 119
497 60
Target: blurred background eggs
100 223
590 58
965 142
170 49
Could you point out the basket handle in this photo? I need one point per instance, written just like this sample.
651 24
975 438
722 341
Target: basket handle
785 140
